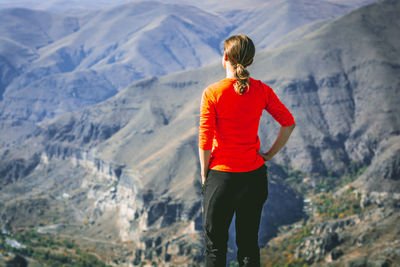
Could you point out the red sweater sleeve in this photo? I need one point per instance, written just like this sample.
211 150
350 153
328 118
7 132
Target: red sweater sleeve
207 120
276 108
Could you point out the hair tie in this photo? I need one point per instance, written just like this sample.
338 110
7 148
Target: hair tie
238 64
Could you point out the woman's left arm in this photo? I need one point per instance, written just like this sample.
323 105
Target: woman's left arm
206 131
205 156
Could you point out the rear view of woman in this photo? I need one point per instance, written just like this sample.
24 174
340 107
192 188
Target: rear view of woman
233 170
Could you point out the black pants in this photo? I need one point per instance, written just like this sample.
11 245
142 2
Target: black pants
223 194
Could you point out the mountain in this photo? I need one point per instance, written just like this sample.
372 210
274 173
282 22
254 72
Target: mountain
126 169
156 42
63 6
35 29
74 6
118 45
22 33
272 20
52 64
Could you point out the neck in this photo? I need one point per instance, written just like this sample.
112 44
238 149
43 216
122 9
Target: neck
230 72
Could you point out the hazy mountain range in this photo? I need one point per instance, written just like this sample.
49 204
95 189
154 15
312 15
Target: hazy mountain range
75 6
128 166
105 50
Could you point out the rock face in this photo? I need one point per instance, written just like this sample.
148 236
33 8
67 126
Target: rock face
18 168
127 169
312 249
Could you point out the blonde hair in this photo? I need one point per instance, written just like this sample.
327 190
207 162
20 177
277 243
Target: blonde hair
240 51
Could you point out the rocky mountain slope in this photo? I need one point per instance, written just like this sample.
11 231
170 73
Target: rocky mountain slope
125 171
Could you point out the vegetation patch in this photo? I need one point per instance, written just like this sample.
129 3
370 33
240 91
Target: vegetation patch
311 185
329 207
48 249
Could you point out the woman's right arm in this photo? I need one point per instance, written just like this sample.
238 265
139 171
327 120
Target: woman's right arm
280 141
283 116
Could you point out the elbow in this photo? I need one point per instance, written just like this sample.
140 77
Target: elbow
291 127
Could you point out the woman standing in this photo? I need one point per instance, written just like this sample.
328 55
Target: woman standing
234 177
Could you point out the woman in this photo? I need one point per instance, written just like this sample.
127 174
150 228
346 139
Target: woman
234 177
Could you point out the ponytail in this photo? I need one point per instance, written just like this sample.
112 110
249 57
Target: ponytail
242 79
240 51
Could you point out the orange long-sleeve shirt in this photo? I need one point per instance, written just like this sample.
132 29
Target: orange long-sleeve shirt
229 123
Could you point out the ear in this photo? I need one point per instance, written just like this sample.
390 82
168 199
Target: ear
225 57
